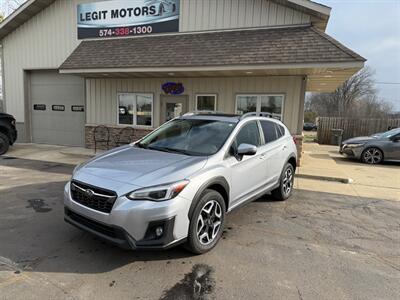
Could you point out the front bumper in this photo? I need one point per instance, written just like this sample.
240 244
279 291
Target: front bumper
130 223
354 152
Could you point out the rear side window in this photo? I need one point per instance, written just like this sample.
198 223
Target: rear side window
269 131
249 134
280 131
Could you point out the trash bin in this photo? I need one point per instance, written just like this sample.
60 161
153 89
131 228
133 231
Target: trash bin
336 136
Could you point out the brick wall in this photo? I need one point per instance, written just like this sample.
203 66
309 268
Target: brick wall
117 135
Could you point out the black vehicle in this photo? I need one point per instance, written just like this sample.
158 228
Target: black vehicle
8 132
309 126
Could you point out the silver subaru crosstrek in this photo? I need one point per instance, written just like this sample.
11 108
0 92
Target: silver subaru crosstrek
176 184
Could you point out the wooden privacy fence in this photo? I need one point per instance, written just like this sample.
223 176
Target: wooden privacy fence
352 127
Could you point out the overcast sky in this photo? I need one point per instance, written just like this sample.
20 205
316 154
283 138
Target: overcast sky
372 29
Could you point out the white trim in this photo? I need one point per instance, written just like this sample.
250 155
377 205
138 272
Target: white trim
135 125
258 104
340 65
207 94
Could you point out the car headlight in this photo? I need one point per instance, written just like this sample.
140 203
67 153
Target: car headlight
159 192
353 145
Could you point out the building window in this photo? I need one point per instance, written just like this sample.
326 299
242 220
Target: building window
135 109
206 102
272 104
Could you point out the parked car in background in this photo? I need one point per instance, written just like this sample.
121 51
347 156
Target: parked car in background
8 132
176 184
374 149
309 126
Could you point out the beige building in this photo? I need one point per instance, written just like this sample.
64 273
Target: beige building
70 65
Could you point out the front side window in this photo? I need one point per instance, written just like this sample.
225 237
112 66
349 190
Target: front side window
189 136
135 109
206 102
249 134
272 104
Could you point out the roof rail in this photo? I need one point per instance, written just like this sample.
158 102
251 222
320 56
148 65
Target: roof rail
193 113
256 114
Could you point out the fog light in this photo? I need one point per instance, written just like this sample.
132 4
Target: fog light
159 231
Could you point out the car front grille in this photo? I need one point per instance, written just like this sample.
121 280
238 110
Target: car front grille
93 197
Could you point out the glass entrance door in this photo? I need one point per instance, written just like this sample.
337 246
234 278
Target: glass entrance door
173 106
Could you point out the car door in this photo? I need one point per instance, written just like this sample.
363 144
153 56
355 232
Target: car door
273 150
247 172
391 147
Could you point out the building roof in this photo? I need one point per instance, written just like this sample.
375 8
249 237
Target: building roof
22 14
293 45
31 7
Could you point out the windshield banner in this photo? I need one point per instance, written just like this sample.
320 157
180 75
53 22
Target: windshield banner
127 17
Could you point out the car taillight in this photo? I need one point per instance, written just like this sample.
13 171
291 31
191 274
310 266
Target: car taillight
294 140
13 122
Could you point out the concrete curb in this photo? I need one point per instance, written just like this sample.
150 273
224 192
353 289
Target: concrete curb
325 178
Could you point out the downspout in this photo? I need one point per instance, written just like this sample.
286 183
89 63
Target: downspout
3 82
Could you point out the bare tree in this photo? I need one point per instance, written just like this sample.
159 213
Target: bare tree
356 97
8 6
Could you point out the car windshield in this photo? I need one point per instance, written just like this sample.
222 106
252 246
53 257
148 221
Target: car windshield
189 136
387 134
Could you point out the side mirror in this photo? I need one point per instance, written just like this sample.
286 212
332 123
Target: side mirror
246 149
396 138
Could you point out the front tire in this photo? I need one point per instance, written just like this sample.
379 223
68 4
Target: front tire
286 183
207 222
372 156
4 143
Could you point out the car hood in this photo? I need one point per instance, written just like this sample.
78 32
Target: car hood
141 167
359 140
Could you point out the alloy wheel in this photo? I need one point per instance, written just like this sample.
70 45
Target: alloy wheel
372 156
287 183
209 222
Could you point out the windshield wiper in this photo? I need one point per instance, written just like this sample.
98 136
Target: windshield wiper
170 150
139 145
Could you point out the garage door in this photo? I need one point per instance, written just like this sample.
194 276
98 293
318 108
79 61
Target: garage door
58 111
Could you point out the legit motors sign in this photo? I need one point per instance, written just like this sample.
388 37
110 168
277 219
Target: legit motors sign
127 17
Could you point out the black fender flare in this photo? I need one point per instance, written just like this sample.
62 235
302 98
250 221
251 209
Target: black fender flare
220 180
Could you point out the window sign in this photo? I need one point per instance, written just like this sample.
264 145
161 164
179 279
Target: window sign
173 88
127 17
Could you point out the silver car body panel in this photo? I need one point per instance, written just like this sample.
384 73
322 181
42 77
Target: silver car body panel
128 168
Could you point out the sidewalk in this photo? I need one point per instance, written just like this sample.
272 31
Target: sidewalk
324 162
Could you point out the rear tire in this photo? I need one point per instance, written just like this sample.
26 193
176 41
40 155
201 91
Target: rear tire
372 156
286 182
207 223
4 143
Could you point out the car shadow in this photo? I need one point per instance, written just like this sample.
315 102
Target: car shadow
45 243
349 160
36 165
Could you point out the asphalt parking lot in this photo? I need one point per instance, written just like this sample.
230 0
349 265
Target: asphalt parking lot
313 246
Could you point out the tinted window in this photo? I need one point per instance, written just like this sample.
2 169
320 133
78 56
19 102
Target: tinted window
269 131
249 134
